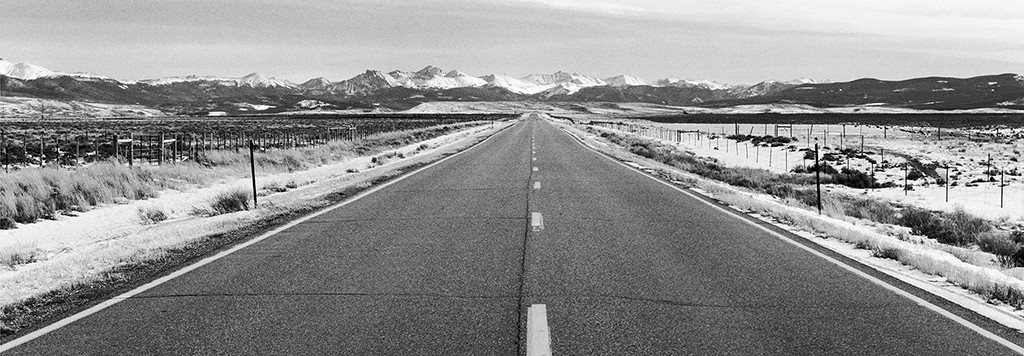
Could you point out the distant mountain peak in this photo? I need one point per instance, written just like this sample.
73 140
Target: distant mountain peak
455 74
257 80
622 80
800 81
430 71
318 83
24 70
561 77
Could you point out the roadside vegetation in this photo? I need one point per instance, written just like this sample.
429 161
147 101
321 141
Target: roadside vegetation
973 241
33 194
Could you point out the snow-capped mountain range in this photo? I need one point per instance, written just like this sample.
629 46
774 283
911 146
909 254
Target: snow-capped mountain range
429 77
29 71
399 90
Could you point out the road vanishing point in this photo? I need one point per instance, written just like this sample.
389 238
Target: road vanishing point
529 243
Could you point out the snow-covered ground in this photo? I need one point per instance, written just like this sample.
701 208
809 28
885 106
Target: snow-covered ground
15 106
966 151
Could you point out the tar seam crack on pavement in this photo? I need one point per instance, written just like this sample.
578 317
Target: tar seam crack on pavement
522 269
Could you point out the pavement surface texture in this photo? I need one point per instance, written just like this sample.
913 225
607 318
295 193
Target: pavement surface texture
446 262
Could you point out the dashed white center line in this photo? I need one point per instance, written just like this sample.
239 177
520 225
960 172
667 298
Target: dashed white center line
534 158
537 221
536 185
536 169
538 338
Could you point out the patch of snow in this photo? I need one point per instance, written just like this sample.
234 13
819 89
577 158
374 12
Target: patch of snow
703 83
514 85
257 80
560 77
26 71
1012 102
22 107
189 78
561 89
625 80
312 104
800 81
666 82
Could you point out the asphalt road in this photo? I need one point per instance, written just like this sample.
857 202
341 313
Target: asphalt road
445 262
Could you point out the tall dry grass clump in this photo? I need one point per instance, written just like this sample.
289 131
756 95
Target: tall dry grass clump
32 194
231 201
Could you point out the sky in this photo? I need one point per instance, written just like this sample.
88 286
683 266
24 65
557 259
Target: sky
729 41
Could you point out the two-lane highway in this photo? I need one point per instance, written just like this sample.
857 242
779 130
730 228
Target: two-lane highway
448 260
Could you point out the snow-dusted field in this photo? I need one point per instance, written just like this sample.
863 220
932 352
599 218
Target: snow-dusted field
13 106
965 151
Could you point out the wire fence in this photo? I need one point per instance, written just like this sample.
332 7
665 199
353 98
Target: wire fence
963 175
69 143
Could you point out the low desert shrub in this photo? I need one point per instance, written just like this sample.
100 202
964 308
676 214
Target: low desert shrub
999 244
886 252
869 209
956 228
231 201
151 215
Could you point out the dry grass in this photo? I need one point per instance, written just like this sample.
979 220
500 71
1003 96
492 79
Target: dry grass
151 215
231 201
987 282
32 194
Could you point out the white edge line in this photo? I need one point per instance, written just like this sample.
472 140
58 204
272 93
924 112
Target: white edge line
538 336
114 300
862 274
